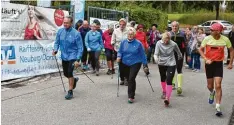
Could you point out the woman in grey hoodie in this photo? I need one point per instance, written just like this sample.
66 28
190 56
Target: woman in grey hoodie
164 56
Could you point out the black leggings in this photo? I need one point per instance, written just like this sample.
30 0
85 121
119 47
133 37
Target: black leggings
84 56
94 58
167 73
121 71
130 72
179 63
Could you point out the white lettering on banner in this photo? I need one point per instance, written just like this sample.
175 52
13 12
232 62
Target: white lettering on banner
18 71
38 59
31 48
28 70
21 58
24 59
47 67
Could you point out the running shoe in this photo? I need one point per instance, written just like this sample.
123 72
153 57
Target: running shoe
130 100
122 83
166 102
218 112
179 90
109 72
97 73
211 97
69 95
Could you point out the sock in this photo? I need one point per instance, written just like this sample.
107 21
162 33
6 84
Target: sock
217 105
163 85
174 80
168 93
180 80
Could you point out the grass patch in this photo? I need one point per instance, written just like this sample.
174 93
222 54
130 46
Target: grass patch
198 18
175 17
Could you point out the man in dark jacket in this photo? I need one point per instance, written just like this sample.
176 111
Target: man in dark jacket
231 38
179 38
83 31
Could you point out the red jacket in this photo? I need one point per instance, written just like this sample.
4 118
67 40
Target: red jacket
106 37
141 36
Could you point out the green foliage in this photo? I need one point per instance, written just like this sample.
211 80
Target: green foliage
146 16
200 17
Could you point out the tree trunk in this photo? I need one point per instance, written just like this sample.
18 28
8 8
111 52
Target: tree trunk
217 9
169 7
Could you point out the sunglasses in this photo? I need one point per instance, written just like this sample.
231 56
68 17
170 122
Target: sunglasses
213 30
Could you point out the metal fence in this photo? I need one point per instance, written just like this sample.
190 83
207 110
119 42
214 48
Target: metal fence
108 14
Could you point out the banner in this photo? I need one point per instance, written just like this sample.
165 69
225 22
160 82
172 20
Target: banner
27 58
25 22
79 9
105 23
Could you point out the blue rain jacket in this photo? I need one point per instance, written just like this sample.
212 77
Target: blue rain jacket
70 43
132 52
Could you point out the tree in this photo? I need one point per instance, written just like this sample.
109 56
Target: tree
217 9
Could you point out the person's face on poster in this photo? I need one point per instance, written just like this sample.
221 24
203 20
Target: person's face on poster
31 11
67 23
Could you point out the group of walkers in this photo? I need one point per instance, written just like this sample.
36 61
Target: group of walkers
131 48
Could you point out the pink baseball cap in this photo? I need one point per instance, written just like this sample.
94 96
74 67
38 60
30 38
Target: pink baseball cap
216 27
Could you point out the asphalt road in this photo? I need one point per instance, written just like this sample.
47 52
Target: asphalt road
43 103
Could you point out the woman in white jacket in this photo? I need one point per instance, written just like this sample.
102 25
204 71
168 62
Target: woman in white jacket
118 36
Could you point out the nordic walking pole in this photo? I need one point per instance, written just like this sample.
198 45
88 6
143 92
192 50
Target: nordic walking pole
150 83
60 74
112 63
118 82
86 75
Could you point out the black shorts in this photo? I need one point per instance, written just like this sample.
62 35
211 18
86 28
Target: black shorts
68 68
110 54
215 69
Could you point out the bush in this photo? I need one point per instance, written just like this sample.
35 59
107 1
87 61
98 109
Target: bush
147 16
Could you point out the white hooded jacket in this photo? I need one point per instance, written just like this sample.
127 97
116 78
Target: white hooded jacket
118 36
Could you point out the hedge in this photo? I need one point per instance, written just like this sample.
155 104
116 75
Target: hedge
147 16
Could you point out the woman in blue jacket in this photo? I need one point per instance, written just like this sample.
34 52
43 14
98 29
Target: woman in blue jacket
132 54
94 45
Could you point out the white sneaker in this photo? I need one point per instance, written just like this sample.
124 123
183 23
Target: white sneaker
186 65
194 70
197 71
218 112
